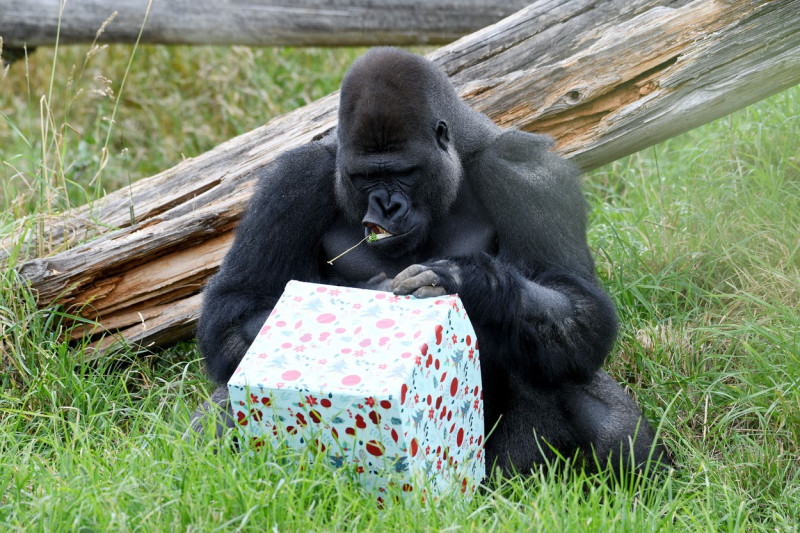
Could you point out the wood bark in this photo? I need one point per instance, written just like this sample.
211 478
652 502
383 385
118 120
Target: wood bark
248 22
604 78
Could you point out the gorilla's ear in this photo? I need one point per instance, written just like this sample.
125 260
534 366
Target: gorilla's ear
442 137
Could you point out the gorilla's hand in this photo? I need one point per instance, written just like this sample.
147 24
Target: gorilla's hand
429 280
377 283
553 325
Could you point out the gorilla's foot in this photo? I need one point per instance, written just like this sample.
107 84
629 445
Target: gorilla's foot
214 415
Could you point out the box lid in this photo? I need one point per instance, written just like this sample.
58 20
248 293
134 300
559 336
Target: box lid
323 337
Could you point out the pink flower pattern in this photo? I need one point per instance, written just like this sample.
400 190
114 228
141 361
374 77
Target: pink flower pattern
323 374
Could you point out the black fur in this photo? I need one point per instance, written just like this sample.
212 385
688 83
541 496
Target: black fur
490 214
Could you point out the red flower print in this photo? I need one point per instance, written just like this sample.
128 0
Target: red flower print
370 401
375 448
311 401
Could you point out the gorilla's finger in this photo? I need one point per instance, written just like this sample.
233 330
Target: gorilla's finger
374 280
430 291
377 283
411 284
408 272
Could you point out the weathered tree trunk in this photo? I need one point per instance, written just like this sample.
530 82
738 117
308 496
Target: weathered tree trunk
249 22
604 78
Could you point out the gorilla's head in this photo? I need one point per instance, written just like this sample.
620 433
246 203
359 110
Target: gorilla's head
398 168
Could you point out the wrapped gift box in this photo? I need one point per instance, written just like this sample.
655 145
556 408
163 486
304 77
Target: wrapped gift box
388 387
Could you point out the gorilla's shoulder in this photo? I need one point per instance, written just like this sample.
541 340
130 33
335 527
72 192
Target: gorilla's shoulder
294 195
309 164
534 197
300 178
530 153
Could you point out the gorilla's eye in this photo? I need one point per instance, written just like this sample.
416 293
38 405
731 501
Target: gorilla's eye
404 174
361 181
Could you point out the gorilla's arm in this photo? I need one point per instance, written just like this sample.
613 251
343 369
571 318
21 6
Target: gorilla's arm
538 297
553 325
276 240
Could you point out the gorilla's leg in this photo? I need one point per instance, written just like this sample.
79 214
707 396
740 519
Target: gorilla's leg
216 413
616 430
596 423
524 424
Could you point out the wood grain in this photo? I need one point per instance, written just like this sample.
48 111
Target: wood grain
248 22
604 82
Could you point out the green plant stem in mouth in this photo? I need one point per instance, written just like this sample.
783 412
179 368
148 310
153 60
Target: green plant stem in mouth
377 232
372 237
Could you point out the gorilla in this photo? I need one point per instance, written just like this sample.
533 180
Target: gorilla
452 204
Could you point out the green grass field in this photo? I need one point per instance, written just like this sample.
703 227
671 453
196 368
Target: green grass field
696 240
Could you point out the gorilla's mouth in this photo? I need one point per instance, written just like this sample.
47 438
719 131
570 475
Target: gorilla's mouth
379 232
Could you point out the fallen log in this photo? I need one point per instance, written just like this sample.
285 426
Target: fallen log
605 79
248 22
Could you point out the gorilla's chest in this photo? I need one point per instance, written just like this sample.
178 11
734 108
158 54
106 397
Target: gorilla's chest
458 236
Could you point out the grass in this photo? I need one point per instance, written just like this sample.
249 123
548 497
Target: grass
696 239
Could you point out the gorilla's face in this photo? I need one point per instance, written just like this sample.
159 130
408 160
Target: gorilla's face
398 185
398 169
